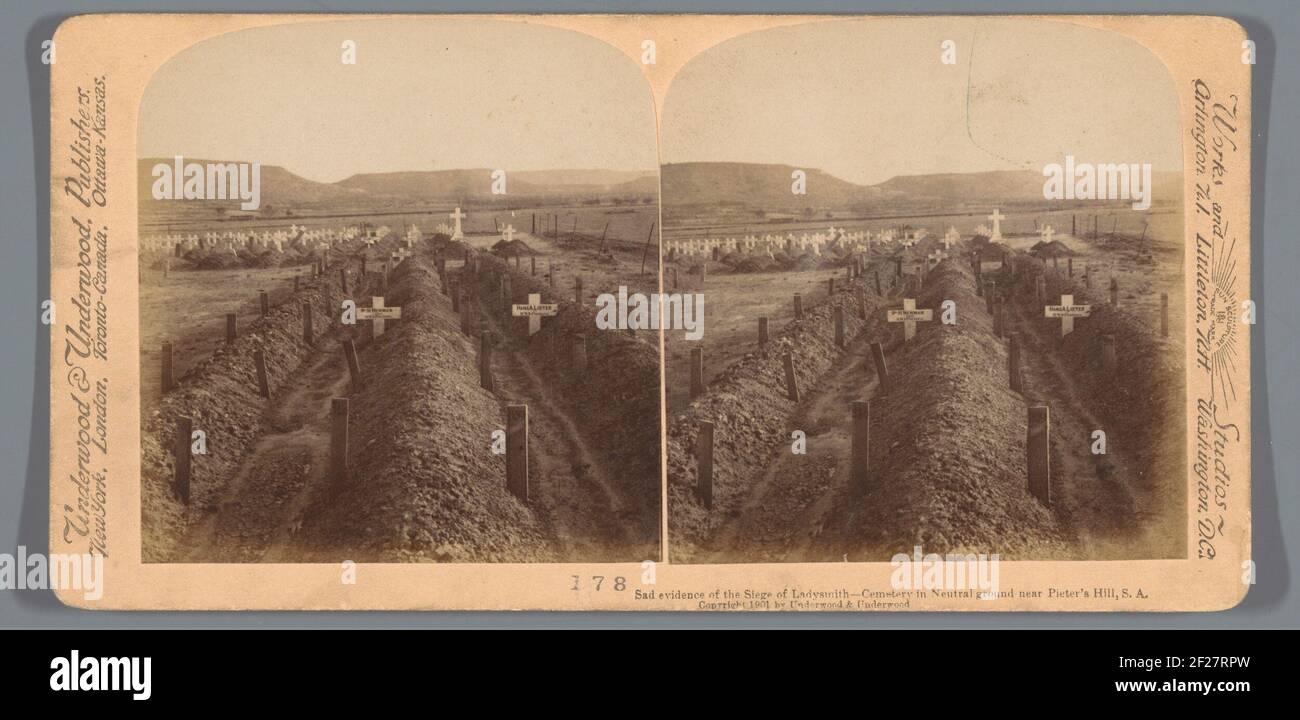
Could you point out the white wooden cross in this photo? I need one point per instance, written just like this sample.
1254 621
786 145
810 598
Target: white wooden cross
509 233
457 216
1067 311
399 255
909 316
950 237
1047 233
534 311
997 217
936 257
378 314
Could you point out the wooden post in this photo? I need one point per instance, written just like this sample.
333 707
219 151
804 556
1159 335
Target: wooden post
354 366
603 233
296 281
1164 314
798 306
878 293
830 286
343 279
339 440
704 463
791 380
882 370
861 451
167 368
306 322
997 316
838 314
455 297
1038 449
988 297
579 354
646 249
265 301
534 230
259 363
1013 362
862 303
485 361
697 372
762 331
466 316
1069 266
182 458
1108 361
1114 292
517 451
533 263
577 291
231 325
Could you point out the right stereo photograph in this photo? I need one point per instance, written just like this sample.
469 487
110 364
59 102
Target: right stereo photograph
944 264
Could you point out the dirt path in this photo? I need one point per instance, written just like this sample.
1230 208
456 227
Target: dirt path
1091 494
787 508
260 508
569 484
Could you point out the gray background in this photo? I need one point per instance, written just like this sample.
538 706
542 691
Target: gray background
24 350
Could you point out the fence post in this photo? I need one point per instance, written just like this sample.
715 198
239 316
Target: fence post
704 464
263 384
517 451
182 457
791 380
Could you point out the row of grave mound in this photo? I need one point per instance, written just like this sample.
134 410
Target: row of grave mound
242 258
425 485
948 451
1142 403
615 399
220 394
750 408
756 262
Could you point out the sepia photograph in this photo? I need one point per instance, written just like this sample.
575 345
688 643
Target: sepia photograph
370 253
944 292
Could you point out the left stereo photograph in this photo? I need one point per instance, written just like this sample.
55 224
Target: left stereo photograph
369 257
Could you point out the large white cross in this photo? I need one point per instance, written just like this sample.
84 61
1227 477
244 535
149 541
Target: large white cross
399 255
534 311
997 217
1047 233
457 216
378 314
509 233
1067 311
909 316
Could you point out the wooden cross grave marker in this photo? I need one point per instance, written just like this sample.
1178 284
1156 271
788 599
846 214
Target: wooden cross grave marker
457 216
399 255
997 217
509 233
1067 311
378 314
534 311
909 316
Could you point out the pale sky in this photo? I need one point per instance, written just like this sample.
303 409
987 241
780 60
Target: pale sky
423 95
869 100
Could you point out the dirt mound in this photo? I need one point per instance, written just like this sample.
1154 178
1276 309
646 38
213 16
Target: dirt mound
755 263
427 487
514 248
748 404
948 446
220 395
616 397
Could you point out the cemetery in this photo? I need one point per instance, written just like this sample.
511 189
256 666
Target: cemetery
407 397
864 424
